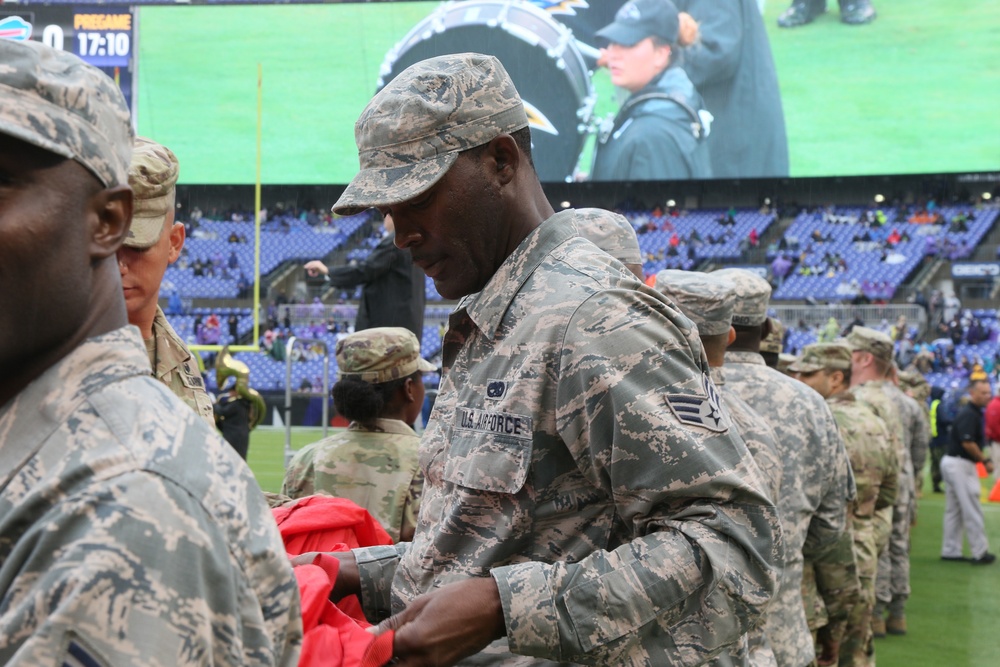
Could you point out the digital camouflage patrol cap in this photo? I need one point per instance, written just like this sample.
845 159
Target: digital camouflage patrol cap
864 339
774 342
823 356
752 296
705 298
412 131
380 355
153 176
53 100
609 231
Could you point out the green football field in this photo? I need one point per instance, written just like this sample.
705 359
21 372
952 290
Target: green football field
916 91
952 614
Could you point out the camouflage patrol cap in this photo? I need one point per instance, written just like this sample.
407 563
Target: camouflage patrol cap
863 339
784 361
774 342
412 131
152 175
380 355
51 99
705 298
611 232
752 296
823 356
916 384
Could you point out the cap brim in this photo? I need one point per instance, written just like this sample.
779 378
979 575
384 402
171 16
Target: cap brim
425 366
626 35
800 367
392 185
144 232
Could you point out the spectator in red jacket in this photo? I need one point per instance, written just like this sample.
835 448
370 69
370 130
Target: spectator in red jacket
992 427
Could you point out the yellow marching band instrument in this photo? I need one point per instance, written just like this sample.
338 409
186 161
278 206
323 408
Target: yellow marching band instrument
227 366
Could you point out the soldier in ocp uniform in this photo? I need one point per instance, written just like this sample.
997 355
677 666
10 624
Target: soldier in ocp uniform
584 498
871 359
155 240
130 532
708 301
380 389
826 367
816 482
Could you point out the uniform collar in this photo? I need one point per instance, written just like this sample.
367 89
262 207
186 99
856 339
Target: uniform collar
171 352
394 426
742 357
487 307
28 420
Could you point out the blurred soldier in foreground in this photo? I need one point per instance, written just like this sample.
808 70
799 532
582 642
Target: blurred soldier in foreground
816 481
550 529
708 301
826 367
130 533
871 362
154 240
380 389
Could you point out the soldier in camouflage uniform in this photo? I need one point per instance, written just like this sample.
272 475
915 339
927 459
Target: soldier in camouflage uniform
380 389
773 344
871 358
154 240
585 497
130 533
708 301
826 367
893 585
816 482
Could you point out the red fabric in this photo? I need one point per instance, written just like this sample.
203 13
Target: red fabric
992 420
318 523
332 638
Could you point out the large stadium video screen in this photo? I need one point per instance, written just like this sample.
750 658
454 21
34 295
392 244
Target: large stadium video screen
915 91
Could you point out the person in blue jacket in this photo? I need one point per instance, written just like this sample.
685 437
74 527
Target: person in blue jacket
660 131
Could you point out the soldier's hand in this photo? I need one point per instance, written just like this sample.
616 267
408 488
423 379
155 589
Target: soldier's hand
448 624
989 466
348 578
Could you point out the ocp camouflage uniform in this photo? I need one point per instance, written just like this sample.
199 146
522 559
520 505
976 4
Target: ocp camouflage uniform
876 469
893 582
578 454
174 366
816 485
378 470
130 533
831 588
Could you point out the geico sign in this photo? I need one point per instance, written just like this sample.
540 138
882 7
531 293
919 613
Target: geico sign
975 270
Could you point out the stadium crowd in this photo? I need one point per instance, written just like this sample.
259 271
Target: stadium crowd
618 469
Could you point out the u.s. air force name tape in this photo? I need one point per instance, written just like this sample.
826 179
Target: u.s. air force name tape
499 423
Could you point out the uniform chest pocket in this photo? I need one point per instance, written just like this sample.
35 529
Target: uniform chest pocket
489 451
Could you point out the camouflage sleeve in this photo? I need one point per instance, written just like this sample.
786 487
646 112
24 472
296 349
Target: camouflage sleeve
921 440
377 567
300 476
889 489
837 582
411 507
697 542
829 521
133 571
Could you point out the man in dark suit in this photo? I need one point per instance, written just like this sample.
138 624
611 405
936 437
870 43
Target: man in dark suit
392 292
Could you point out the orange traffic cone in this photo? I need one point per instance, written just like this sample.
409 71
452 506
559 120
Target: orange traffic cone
995 493
981 469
